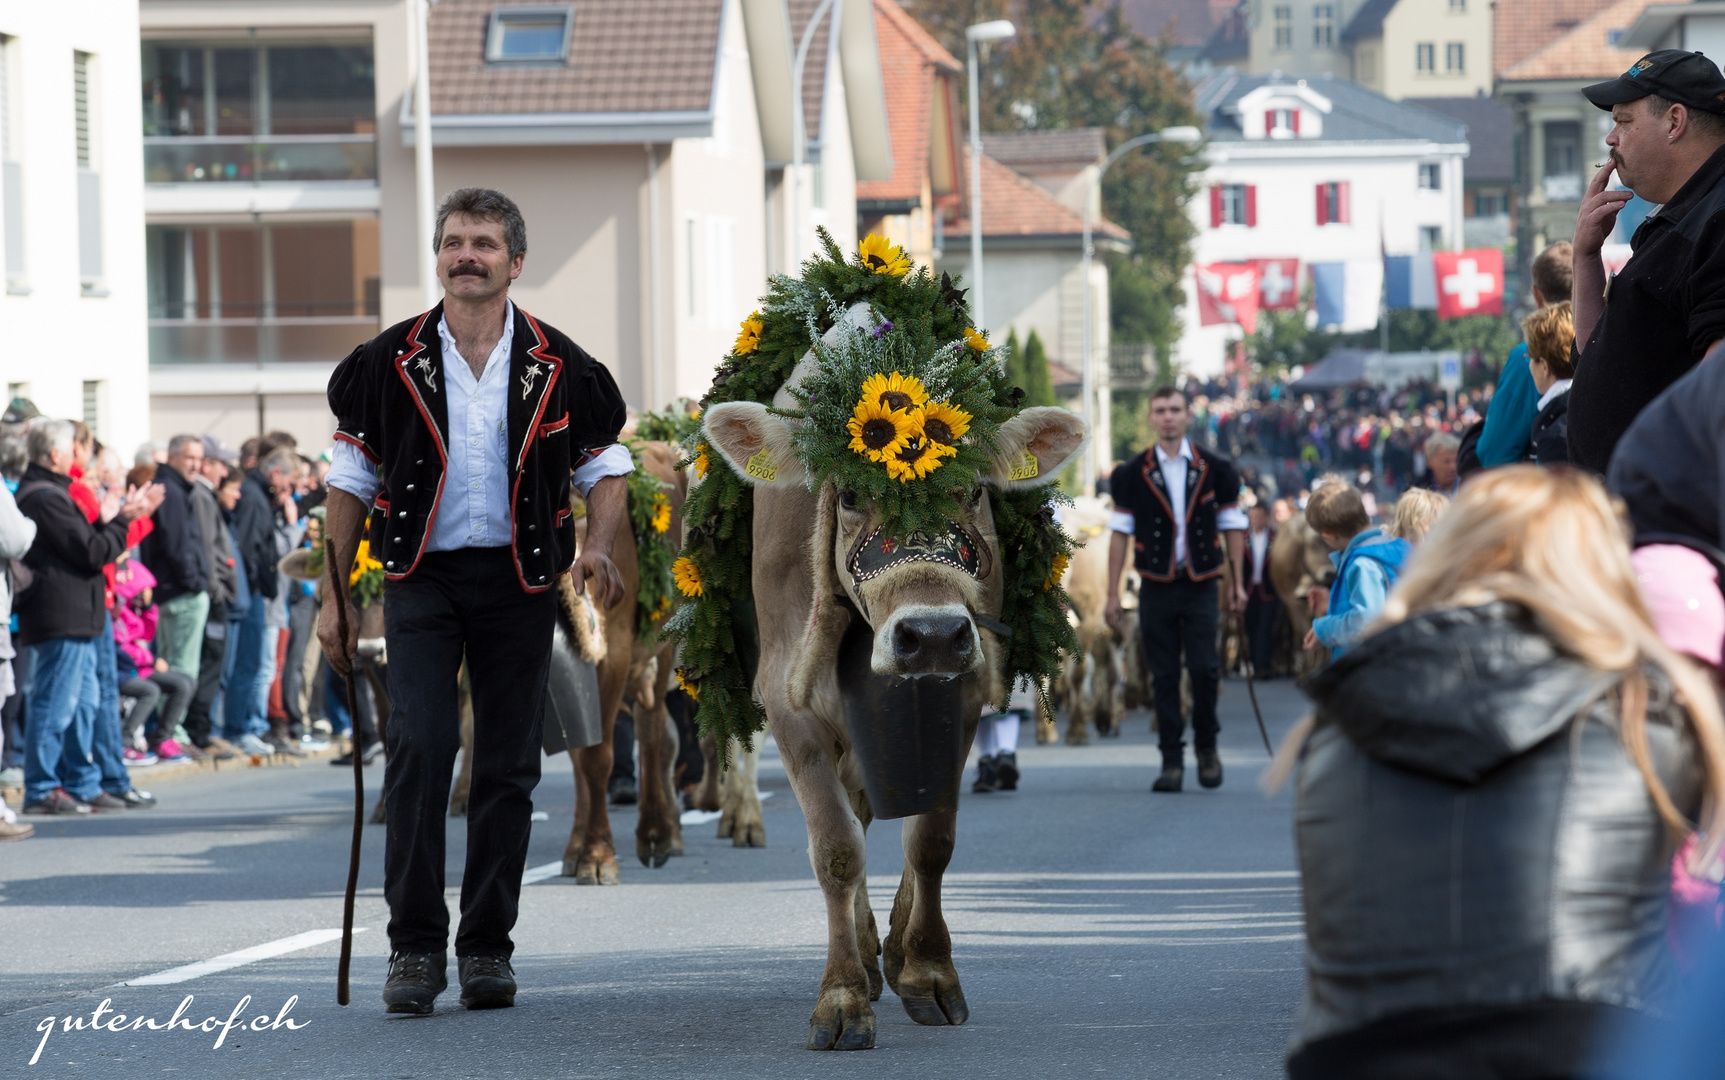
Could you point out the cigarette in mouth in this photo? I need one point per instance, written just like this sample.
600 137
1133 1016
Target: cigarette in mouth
1603 164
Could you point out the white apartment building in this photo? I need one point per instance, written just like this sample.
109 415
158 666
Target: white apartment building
1317 169
71 215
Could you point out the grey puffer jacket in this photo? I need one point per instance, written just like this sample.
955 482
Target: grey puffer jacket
1472 835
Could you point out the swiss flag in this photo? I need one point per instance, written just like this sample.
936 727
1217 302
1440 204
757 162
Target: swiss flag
1278 283
1228 293
1468 282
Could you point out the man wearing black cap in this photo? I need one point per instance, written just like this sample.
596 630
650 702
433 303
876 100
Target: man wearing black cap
1658 317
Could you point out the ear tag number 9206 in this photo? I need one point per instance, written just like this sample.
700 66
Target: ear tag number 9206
761 466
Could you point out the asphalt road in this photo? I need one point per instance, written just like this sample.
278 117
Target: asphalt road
1098 930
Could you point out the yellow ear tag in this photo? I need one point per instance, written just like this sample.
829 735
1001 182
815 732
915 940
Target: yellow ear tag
1026 467
761 466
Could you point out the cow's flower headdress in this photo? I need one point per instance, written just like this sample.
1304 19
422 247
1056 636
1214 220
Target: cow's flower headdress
902 404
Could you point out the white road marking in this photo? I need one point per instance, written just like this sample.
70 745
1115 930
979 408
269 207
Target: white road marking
268 949
700 817
540 873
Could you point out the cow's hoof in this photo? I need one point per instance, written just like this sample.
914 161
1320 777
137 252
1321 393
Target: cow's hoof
1046 732
842 1020
752 835
600 872
571 866
653 853
930 993
727 823
1077 736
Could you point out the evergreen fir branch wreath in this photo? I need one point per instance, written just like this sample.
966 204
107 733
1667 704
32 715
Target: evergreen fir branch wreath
905 412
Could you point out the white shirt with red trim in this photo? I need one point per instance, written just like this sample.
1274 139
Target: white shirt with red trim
475 507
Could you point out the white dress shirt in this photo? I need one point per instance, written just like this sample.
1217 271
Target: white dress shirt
1228 518
1260 542
474 508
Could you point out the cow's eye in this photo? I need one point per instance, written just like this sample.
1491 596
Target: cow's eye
848 499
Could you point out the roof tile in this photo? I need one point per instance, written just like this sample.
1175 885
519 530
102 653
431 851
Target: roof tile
912 64
1584 52
1015 206
1521 28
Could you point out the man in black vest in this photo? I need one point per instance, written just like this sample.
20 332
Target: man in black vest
1178 505
464 427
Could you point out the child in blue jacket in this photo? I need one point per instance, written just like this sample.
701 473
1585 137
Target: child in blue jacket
1367 562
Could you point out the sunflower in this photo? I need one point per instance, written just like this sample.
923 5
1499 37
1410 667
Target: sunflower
661 513
975 339
363 563
702 462
1056 572
749 335
895 391
686 686
914 462
878 432
688 577
943 424
883 256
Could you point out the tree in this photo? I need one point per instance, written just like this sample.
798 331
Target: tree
1076 63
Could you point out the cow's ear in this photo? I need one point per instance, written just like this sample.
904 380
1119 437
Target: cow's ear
1036 445
754 443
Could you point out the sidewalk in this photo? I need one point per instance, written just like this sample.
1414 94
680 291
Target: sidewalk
148 777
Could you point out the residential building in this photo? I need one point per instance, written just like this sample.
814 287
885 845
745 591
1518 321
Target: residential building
647 145
1698 27
71 194
1185 28
925 120
1488 174
1547 50
1317 169
1033 254
1398 48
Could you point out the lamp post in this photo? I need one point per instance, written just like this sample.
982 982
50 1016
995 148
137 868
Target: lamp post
799 125
998 30
426 190
1184 135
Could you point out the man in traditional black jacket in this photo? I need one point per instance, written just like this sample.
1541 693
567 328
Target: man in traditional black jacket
465 428
1178 505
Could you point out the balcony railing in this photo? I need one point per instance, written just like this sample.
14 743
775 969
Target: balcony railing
253 159
325 338
1131 366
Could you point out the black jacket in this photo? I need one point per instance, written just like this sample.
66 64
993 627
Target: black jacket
1138 488
1475 843
218 547
175 551
564 408
67 597
254 530
1669 466
1550 442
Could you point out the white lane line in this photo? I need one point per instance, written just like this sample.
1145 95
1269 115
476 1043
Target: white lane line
700 817
214 964
540 873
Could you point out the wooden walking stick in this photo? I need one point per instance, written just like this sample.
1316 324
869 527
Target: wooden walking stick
339 582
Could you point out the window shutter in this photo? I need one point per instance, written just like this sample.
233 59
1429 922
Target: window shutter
1294 119
1323 206
1251 205
1216 206
1342 214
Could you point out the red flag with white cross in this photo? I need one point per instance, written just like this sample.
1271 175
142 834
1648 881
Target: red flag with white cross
1228 293
1278 284
1468 282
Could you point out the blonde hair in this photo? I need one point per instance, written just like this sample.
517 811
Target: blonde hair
1414 514
1550 336
1550 540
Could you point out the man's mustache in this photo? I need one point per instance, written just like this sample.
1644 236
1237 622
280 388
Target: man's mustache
468 269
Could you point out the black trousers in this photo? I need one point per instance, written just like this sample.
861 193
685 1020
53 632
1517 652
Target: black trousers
1263 612
462 602
1181 614
210 657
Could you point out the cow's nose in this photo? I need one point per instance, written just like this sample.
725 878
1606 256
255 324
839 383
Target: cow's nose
933 644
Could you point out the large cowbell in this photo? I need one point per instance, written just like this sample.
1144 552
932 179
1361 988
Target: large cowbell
908 733
573 719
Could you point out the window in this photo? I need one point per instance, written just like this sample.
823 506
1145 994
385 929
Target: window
1333 203
89 180
1455 58
1561 177
1458 7
1431 176
11 172
537 35
1425 57
1323 26
1282 123
692 227
721 270
1490 203
1233 204
1284 23
219 112
93 405
1431 237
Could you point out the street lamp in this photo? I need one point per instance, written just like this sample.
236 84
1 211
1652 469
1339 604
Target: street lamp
1184 135
998 30
799 133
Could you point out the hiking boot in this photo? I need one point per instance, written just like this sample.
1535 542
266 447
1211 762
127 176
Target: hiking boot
1209 768
1173 776
284 746
987 779
487 982
415 980
138 800
623 793
57 802
367 755
16 830
105 801
1006 768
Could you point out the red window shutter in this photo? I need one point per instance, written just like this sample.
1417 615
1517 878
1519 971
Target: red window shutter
1251 205
1294 118
1323 205
1269 122
1216 206
1342 214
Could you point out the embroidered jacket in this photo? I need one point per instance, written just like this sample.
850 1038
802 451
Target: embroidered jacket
1212 485
389 400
